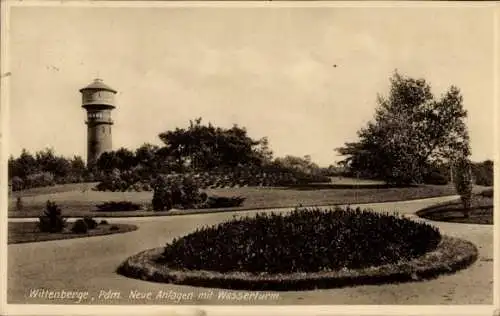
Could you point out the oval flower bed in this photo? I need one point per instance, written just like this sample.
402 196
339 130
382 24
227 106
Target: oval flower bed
305 249
481 211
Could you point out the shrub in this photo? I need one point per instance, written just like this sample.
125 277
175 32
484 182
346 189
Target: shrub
487 193
121 206
114 227
190 192
222 201
436 178
103 222
52 220
137 187
80 227
17 183
112 181
162 197
309 240
463 183
39 180
180 191
483 178
483 173
203 197
91 223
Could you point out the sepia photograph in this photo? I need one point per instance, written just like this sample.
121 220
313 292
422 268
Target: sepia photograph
248 154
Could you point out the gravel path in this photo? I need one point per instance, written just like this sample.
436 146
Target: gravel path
88 265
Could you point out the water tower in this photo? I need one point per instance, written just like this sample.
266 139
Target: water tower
99 100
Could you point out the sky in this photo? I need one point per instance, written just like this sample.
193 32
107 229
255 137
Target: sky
307 78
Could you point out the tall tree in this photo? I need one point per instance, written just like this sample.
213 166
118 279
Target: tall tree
77 165
23 166
411 130
48 161
264 152
205 147
121 159
146 155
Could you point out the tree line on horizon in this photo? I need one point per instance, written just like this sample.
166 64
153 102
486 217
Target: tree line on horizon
414 138
197 148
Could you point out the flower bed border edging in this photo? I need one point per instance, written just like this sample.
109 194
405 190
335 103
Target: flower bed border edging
452 254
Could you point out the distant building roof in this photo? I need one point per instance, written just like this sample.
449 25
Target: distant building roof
98 84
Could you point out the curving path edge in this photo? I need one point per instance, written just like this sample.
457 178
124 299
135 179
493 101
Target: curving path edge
89 265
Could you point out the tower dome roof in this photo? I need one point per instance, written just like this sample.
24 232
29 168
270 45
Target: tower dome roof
98 84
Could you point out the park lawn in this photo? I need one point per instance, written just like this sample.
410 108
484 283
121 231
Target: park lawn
481 212
23 232
77 203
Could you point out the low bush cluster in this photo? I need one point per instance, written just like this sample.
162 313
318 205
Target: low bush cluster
484 179
184 193
83 225
122 181
39 179
52 221
309 240
436 178
179 193
80 227
222 202
483 173
44 179
121 206
91 223
223 178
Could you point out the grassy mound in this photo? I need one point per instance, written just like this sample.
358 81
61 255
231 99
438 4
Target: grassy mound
308 240
481 212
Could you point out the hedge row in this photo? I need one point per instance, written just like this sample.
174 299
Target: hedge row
42 179
127 181
121 206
